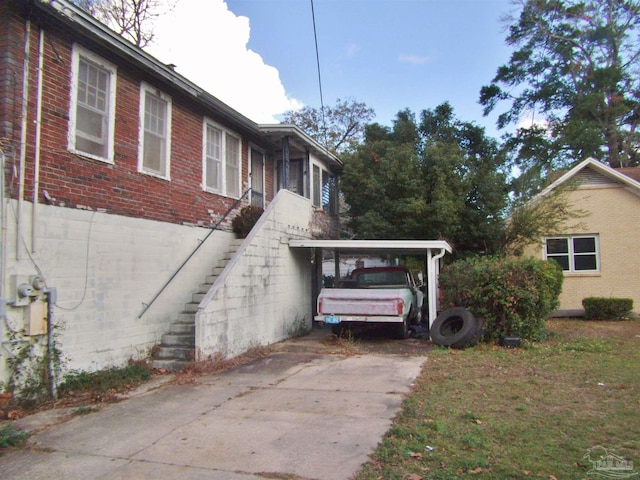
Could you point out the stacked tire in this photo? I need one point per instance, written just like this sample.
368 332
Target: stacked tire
456 327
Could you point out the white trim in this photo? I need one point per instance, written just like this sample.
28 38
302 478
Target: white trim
599 167
251 147
77 52
571 254
223 170
144 89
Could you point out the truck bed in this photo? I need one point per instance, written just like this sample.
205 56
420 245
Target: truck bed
362 301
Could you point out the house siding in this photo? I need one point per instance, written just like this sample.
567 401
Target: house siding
116 188
106 237
613 213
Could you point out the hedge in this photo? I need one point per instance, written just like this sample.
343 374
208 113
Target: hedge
601 308
515 296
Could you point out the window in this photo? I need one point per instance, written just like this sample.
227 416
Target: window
317 188
155 132
574 253
92 113
222 161
324 189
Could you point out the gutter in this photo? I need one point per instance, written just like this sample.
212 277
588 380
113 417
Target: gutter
80 20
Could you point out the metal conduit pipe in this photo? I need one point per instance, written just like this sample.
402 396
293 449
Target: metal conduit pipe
23 134
36 159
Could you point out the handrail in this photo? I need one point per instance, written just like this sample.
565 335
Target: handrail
215 227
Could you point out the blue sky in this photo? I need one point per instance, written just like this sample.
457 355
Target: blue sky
389 54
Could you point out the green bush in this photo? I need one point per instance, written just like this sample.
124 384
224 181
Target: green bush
601 308
515 296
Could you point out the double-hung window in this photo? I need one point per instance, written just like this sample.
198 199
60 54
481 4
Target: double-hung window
576 253
222 160
92 112
155 132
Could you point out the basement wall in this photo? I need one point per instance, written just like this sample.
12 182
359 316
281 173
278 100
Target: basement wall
105 268
264 293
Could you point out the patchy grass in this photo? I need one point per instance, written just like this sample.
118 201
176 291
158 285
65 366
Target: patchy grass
99 382
532 412
10 437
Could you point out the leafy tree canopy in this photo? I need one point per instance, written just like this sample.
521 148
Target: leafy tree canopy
339 128
576 64
441 178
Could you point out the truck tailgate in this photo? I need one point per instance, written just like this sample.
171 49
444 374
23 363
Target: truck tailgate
360 301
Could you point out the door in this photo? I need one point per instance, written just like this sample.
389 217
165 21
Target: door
257 178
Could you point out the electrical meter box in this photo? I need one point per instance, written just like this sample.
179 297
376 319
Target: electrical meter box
36 321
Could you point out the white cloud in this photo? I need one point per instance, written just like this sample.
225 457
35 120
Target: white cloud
208 44
415 59
529 120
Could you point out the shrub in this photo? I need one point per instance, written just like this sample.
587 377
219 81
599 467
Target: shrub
600 308
515 296
245 220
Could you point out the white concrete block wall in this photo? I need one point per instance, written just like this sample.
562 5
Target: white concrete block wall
265 288
105 268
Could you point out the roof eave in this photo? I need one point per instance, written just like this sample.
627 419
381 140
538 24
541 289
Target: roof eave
78 19
294 130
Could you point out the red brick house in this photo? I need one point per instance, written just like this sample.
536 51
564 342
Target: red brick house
115 169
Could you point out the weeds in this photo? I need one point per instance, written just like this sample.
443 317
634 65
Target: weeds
10 437
115 378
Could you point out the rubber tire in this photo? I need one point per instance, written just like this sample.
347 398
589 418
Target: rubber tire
456 327
401 331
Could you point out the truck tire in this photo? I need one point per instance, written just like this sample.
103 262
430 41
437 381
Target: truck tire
456 327
401 330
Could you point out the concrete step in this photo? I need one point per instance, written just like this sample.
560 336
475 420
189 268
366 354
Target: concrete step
205 287
183 328
186 317
197 297
174 353
178 340
173 365
216 271
191 307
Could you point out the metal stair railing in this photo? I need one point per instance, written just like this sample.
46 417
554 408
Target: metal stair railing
215 227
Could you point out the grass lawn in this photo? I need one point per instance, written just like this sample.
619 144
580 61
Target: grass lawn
532 412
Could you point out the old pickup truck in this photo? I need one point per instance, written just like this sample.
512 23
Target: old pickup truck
373 295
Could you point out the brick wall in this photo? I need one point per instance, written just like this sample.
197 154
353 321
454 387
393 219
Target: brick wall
614 215
75 181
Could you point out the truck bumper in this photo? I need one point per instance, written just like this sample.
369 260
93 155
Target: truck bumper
336 319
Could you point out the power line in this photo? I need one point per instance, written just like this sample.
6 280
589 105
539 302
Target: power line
315 36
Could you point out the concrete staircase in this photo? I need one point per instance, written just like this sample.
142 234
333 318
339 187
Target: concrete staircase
178 346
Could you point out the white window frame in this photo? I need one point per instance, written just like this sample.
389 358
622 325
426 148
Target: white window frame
79 53
224 184
317 187
166 174
571 254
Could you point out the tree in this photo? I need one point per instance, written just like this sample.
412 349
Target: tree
577 64
339 128
130 18
438 179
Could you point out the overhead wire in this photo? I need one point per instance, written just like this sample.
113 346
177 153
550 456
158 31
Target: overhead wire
315 37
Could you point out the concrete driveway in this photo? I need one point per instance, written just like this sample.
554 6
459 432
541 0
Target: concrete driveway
292 414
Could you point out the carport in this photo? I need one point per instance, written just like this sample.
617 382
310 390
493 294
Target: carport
433 251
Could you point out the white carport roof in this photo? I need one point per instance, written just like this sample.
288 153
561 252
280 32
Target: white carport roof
398 247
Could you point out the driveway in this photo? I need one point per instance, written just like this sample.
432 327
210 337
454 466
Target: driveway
309 410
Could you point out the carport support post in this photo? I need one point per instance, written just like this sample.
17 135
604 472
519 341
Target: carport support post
336 267
433 268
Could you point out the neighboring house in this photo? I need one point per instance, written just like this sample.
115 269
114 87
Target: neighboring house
120 179
600 258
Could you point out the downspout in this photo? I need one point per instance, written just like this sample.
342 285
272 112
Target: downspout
36 160
432 283
23 135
